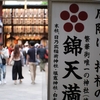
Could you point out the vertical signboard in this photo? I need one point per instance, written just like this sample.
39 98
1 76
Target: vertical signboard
74 64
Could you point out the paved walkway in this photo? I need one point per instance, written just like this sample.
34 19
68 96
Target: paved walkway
26 90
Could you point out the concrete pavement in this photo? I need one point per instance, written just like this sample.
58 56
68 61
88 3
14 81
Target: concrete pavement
26 90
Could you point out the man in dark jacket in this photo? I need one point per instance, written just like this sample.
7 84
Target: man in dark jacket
41 54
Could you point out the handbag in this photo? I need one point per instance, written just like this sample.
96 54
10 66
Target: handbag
3 61
12 63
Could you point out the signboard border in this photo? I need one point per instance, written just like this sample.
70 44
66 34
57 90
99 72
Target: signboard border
50 2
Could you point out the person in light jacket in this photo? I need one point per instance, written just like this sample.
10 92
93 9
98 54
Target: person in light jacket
4 53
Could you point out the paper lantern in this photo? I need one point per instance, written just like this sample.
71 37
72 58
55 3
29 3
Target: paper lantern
15 41
8 35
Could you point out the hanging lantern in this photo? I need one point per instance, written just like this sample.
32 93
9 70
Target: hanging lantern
15 41
16 37
8 36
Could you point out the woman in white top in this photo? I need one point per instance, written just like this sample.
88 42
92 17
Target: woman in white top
17 56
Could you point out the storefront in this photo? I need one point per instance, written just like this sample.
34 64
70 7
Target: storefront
21 25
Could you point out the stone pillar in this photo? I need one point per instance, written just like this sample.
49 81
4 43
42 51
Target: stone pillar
1 27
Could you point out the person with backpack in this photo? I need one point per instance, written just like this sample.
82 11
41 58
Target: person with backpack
46 62
25 50
4 55
41 55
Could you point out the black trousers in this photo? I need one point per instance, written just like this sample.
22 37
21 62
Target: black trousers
17 70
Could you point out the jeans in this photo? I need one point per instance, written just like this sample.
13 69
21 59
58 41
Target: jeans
2 72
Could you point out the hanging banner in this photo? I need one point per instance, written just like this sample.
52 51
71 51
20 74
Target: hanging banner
74 71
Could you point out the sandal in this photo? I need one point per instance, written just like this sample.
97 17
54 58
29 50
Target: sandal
20 81
15 83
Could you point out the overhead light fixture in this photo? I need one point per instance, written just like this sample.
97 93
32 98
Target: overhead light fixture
25 6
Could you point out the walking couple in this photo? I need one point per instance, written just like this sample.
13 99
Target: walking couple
17 56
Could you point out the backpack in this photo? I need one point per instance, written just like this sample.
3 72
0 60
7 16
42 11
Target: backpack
46 55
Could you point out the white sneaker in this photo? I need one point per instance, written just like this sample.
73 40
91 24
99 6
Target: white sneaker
0 82
29 71
4 81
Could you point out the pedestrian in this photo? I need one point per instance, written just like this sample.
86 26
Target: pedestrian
10 48
17 56
31 60
25 49
41 55
36 48
46 62
4 54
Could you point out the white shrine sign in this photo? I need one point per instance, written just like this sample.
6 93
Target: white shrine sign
74 64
